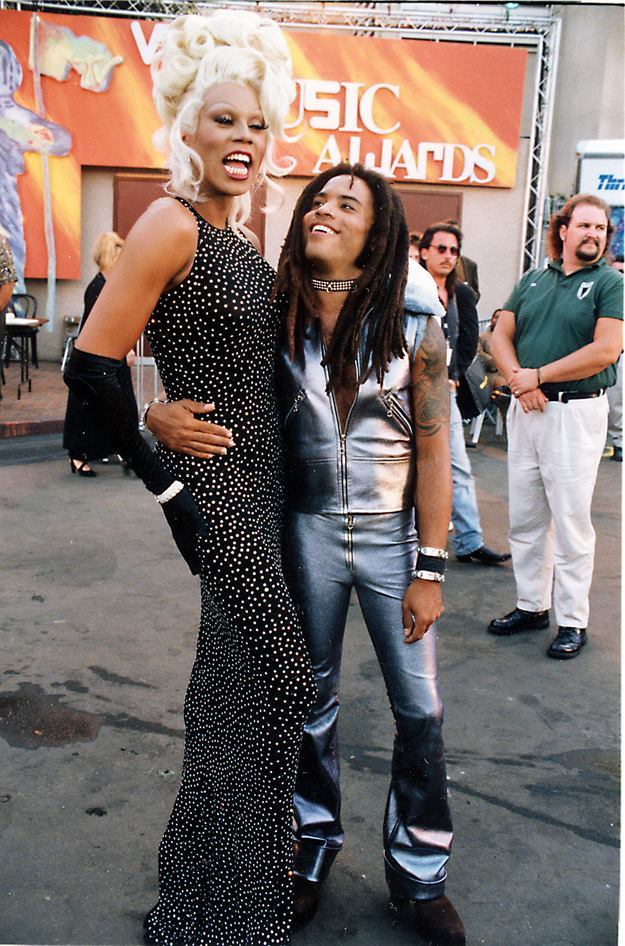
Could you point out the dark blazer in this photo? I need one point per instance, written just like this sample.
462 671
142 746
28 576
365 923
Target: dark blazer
468 327
467 272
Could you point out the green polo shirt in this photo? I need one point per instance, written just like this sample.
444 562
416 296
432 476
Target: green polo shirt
556 315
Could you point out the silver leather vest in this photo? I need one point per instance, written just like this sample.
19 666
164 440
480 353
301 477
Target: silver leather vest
370 467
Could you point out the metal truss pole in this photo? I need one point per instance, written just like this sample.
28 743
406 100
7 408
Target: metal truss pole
536 193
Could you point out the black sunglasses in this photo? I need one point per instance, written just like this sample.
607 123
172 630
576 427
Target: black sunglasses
441 248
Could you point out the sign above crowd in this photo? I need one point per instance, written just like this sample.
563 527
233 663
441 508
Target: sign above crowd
401 107
417 111
603 175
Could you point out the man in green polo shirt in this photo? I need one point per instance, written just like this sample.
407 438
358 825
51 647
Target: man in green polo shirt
556 342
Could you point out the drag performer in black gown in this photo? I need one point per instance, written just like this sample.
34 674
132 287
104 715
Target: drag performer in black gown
202 289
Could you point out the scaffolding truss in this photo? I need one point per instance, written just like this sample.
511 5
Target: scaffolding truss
535 28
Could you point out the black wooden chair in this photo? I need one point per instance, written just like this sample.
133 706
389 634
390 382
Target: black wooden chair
20 337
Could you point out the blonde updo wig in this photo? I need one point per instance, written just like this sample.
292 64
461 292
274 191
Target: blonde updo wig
201 51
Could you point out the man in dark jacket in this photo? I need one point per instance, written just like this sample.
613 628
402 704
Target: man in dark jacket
440 249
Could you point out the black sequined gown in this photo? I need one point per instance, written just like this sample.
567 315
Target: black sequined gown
225 858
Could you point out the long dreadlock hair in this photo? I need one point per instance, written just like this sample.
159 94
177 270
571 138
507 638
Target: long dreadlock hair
378 295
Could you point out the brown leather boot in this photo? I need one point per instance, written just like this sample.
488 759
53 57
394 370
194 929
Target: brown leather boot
436 921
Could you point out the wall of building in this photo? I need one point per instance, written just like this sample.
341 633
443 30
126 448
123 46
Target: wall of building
589 86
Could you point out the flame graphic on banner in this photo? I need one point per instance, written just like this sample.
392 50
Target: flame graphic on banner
431 106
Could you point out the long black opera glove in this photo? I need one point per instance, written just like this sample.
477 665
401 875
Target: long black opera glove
92 379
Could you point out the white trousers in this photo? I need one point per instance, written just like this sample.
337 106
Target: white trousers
553 458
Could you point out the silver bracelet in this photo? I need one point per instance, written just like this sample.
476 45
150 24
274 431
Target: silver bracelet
427 576
432 552
170 492
146 408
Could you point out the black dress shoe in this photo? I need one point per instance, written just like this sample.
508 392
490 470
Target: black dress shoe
436 921
306 896
485 556
568 643
618 454
519 620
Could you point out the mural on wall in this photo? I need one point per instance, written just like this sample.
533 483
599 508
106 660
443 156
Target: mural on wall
60 51
21 130
95 86
53 52
396 105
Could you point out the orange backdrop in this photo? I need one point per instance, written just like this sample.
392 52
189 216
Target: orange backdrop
415 110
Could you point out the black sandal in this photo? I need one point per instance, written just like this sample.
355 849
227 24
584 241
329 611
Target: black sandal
80 469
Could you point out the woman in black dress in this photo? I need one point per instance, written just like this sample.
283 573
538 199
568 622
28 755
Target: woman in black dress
83 439
192 276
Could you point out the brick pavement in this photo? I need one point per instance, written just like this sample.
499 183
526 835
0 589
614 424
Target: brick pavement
38 412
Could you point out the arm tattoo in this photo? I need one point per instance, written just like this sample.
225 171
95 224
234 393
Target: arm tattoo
430 387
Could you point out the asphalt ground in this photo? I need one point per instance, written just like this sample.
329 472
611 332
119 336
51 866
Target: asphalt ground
97 633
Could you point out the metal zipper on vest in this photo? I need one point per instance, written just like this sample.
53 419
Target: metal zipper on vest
395 409
342 445
342 435
299 397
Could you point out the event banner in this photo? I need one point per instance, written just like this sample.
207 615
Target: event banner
76 92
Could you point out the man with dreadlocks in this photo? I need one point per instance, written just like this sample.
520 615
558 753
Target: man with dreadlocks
363 383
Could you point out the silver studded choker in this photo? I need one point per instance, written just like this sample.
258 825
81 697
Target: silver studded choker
334 285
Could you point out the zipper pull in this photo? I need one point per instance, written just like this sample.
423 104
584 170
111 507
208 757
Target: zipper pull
350 522
342 446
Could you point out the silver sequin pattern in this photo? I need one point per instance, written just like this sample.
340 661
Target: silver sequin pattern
226 856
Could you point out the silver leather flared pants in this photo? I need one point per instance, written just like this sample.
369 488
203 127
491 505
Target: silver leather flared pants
327 555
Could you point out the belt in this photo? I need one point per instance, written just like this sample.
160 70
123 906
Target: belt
565 396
